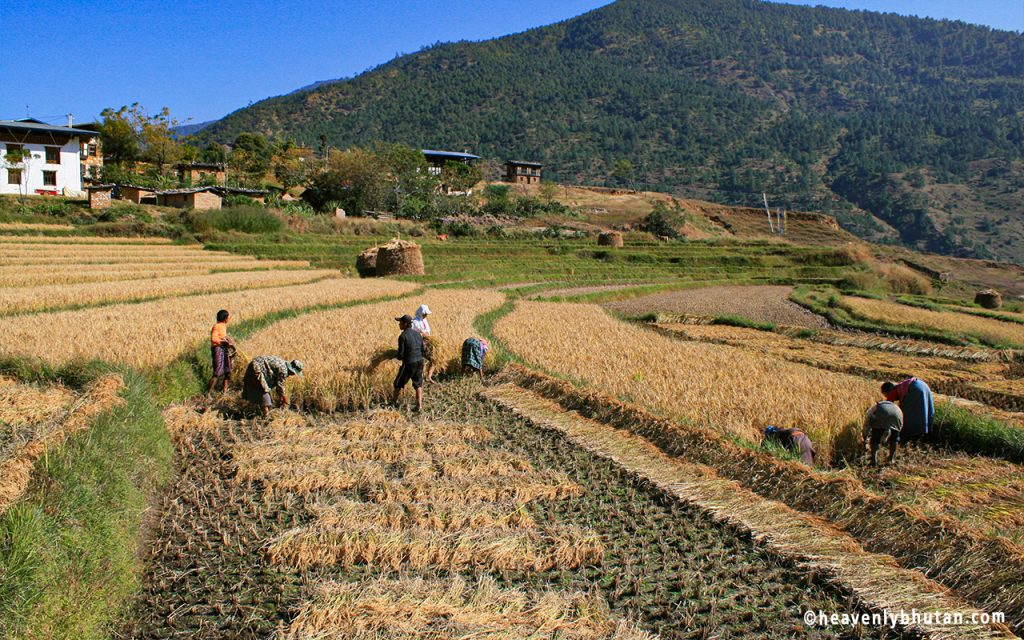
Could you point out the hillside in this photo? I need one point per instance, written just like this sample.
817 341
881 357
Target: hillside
905 129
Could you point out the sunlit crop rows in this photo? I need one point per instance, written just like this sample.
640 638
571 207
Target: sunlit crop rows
891 312
338 346
151 333
722 387
34 226
78 240
35 275
22 299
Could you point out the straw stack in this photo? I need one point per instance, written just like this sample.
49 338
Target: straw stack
610 239
400 258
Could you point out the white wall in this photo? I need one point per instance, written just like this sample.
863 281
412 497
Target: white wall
69 171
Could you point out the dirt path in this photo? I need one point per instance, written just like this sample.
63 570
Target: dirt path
759 303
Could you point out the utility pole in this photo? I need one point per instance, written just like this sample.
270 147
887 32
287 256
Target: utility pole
768 211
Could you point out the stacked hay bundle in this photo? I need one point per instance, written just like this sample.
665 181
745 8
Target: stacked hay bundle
400 258
988 298
366 263
610 239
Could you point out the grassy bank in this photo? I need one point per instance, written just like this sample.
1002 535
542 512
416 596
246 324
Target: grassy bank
962 430
68 550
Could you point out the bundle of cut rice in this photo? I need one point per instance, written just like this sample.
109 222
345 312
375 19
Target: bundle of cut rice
400 258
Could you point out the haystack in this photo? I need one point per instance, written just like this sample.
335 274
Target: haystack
610 239
400 258
988 298
366 263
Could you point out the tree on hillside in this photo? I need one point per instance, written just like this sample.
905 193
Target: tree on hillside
662 221
250 158
411 185
130 133
460 177
355 179
213 152
624 173
292 164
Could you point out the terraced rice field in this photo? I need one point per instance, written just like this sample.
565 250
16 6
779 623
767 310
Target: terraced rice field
993 331
761 304
723 388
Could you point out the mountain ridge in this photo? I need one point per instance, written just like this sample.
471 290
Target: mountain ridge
887 122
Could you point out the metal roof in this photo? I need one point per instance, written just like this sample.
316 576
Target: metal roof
526 163
31 124
220 189
450 154
168 192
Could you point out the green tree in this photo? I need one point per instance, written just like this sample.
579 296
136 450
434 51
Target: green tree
624 173
460 177
292 165
547 191
19 159
356 179
251 156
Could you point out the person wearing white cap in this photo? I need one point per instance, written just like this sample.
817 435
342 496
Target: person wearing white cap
421 325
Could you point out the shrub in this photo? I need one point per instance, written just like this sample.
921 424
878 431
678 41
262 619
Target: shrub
253 219
238 200
662 221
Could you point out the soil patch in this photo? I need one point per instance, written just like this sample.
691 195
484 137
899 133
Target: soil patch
760 303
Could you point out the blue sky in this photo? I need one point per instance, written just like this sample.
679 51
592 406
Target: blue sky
204 59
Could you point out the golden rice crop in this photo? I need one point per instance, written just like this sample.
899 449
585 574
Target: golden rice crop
417 609
37 275
57 262
22 299
151 333
499 548
75 240
891 312
429 516
34 226
26 437
521 487
380 426
337 346
717 386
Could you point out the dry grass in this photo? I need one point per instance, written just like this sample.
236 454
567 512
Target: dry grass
894 313
522 487
410 609
479 548
23 299
444 517
38 275
338 346
34 226
77 240
152 333
721 387
379 426
41 420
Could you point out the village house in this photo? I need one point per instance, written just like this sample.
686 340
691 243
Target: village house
523 172
197 172
437 159
53 165
194 198
135 193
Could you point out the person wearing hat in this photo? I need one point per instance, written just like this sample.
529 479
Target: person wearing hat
410 352
266 374
421 325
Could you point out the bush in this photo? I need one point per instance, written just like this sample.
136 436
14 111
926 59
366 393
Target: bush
662 221
253 219
238 200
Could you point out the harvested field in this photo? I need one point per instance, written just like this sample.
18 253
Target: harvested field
438 610
339 360
34 226
33 420
568 292
729 390
987 329
30 276
148 334
875 579
25 299
676 573
759 303
984 493
75 240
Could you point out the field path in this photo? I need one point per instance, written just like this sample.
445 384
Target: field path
760 303
875 580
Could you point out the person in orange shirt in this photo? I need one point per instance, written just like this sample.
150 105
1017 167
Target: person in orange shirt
221 346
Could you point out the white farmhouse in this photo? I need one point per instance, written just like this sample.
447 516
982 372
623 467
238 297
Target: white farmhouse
53 164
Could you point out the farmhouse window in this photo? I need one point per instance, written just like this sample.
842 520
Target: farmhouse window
52 155
13 176
50 178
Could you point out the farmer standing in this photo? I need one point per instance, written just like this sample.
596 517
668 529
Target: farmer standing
421 325
884 421
915 399
221 348
264 376
410 352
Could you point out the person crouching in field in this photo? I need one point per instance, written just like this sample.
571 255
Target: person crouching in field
222 347
410 352
793 439
264 376
915 399
884 421
474 351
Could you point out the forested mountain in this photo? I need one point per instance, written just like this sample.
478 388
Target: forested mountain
906 129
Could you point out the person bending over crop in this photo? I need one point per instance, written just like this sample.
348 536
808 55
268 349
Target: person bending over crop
793 439
222 348
410 352
473 352
884 421
264 376
915 399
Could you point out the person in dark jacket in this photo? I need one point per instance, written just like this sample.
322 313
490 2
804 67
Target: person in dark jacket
884 421
793 439
410 352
